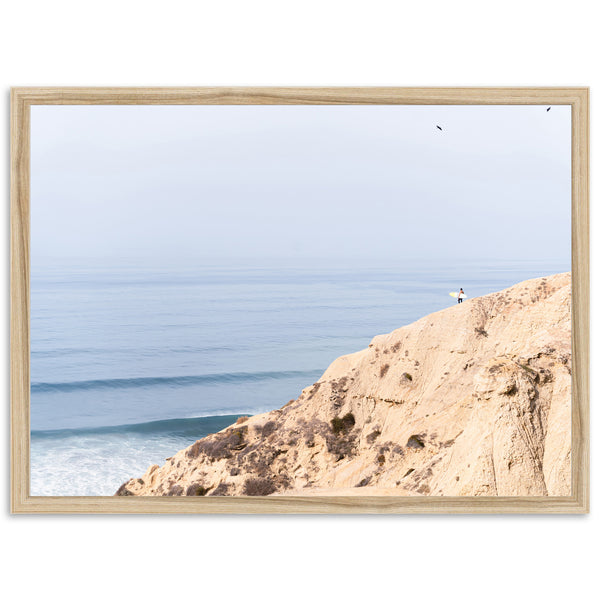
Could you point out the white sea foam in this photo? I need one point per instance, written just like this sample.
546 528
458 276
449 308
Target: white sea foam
95 465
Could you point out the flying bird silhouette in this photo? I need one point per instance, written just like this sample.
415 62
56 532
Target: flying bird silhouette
548 108
439 127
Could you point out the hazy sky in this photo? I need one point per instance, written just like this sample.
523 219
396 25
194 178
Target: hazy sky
212 183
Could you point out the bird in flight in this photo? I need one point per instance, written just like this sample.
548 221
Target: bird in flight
439 127
548 108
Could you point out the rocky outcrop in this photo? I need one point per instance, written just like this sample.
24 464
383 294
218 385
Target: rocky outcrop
474 400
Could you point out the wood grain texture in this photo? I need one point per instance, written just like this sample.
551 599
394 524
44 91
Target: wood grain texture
19 300
21 101
580 258
300 95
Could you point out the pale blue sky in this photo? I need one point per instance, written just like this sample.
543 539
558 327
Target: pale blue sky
299 183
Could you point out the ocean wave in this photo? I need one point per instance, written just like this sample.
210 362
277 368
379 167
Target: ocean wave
183 380
55 352
193 426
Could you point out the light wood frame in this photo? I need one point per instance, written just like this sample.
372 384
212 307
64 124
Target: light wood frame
21 101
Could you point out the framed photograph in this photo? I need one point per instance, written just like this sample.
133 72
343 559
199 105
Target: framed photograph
299 300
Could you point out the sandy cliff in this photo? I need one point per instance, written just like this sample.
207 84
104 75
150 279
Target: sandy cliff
472 400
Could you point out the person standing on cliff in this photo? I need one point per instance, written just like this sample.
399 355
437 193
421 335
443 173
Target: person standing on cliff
461 295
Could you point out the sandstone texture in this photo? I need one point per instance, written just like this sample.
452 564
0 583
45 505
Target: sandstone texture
474 400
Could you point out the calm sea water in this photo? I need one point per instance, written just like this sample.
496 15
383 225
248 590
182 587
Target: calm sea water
131 364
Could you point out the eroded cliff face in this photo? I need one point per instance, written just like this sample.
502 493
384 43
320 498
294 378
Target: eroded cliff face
474 400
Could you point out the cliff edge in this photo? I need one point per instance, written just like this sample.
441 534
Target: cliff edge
474 400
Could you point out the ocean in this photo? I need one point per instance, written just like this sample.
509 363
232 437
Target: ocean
130 364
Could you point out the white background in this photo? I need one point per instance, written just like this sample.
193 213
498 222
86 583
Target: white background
255 42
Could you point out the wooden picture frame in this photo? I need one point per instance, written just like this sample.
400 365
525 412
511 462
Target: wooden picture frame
22 99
